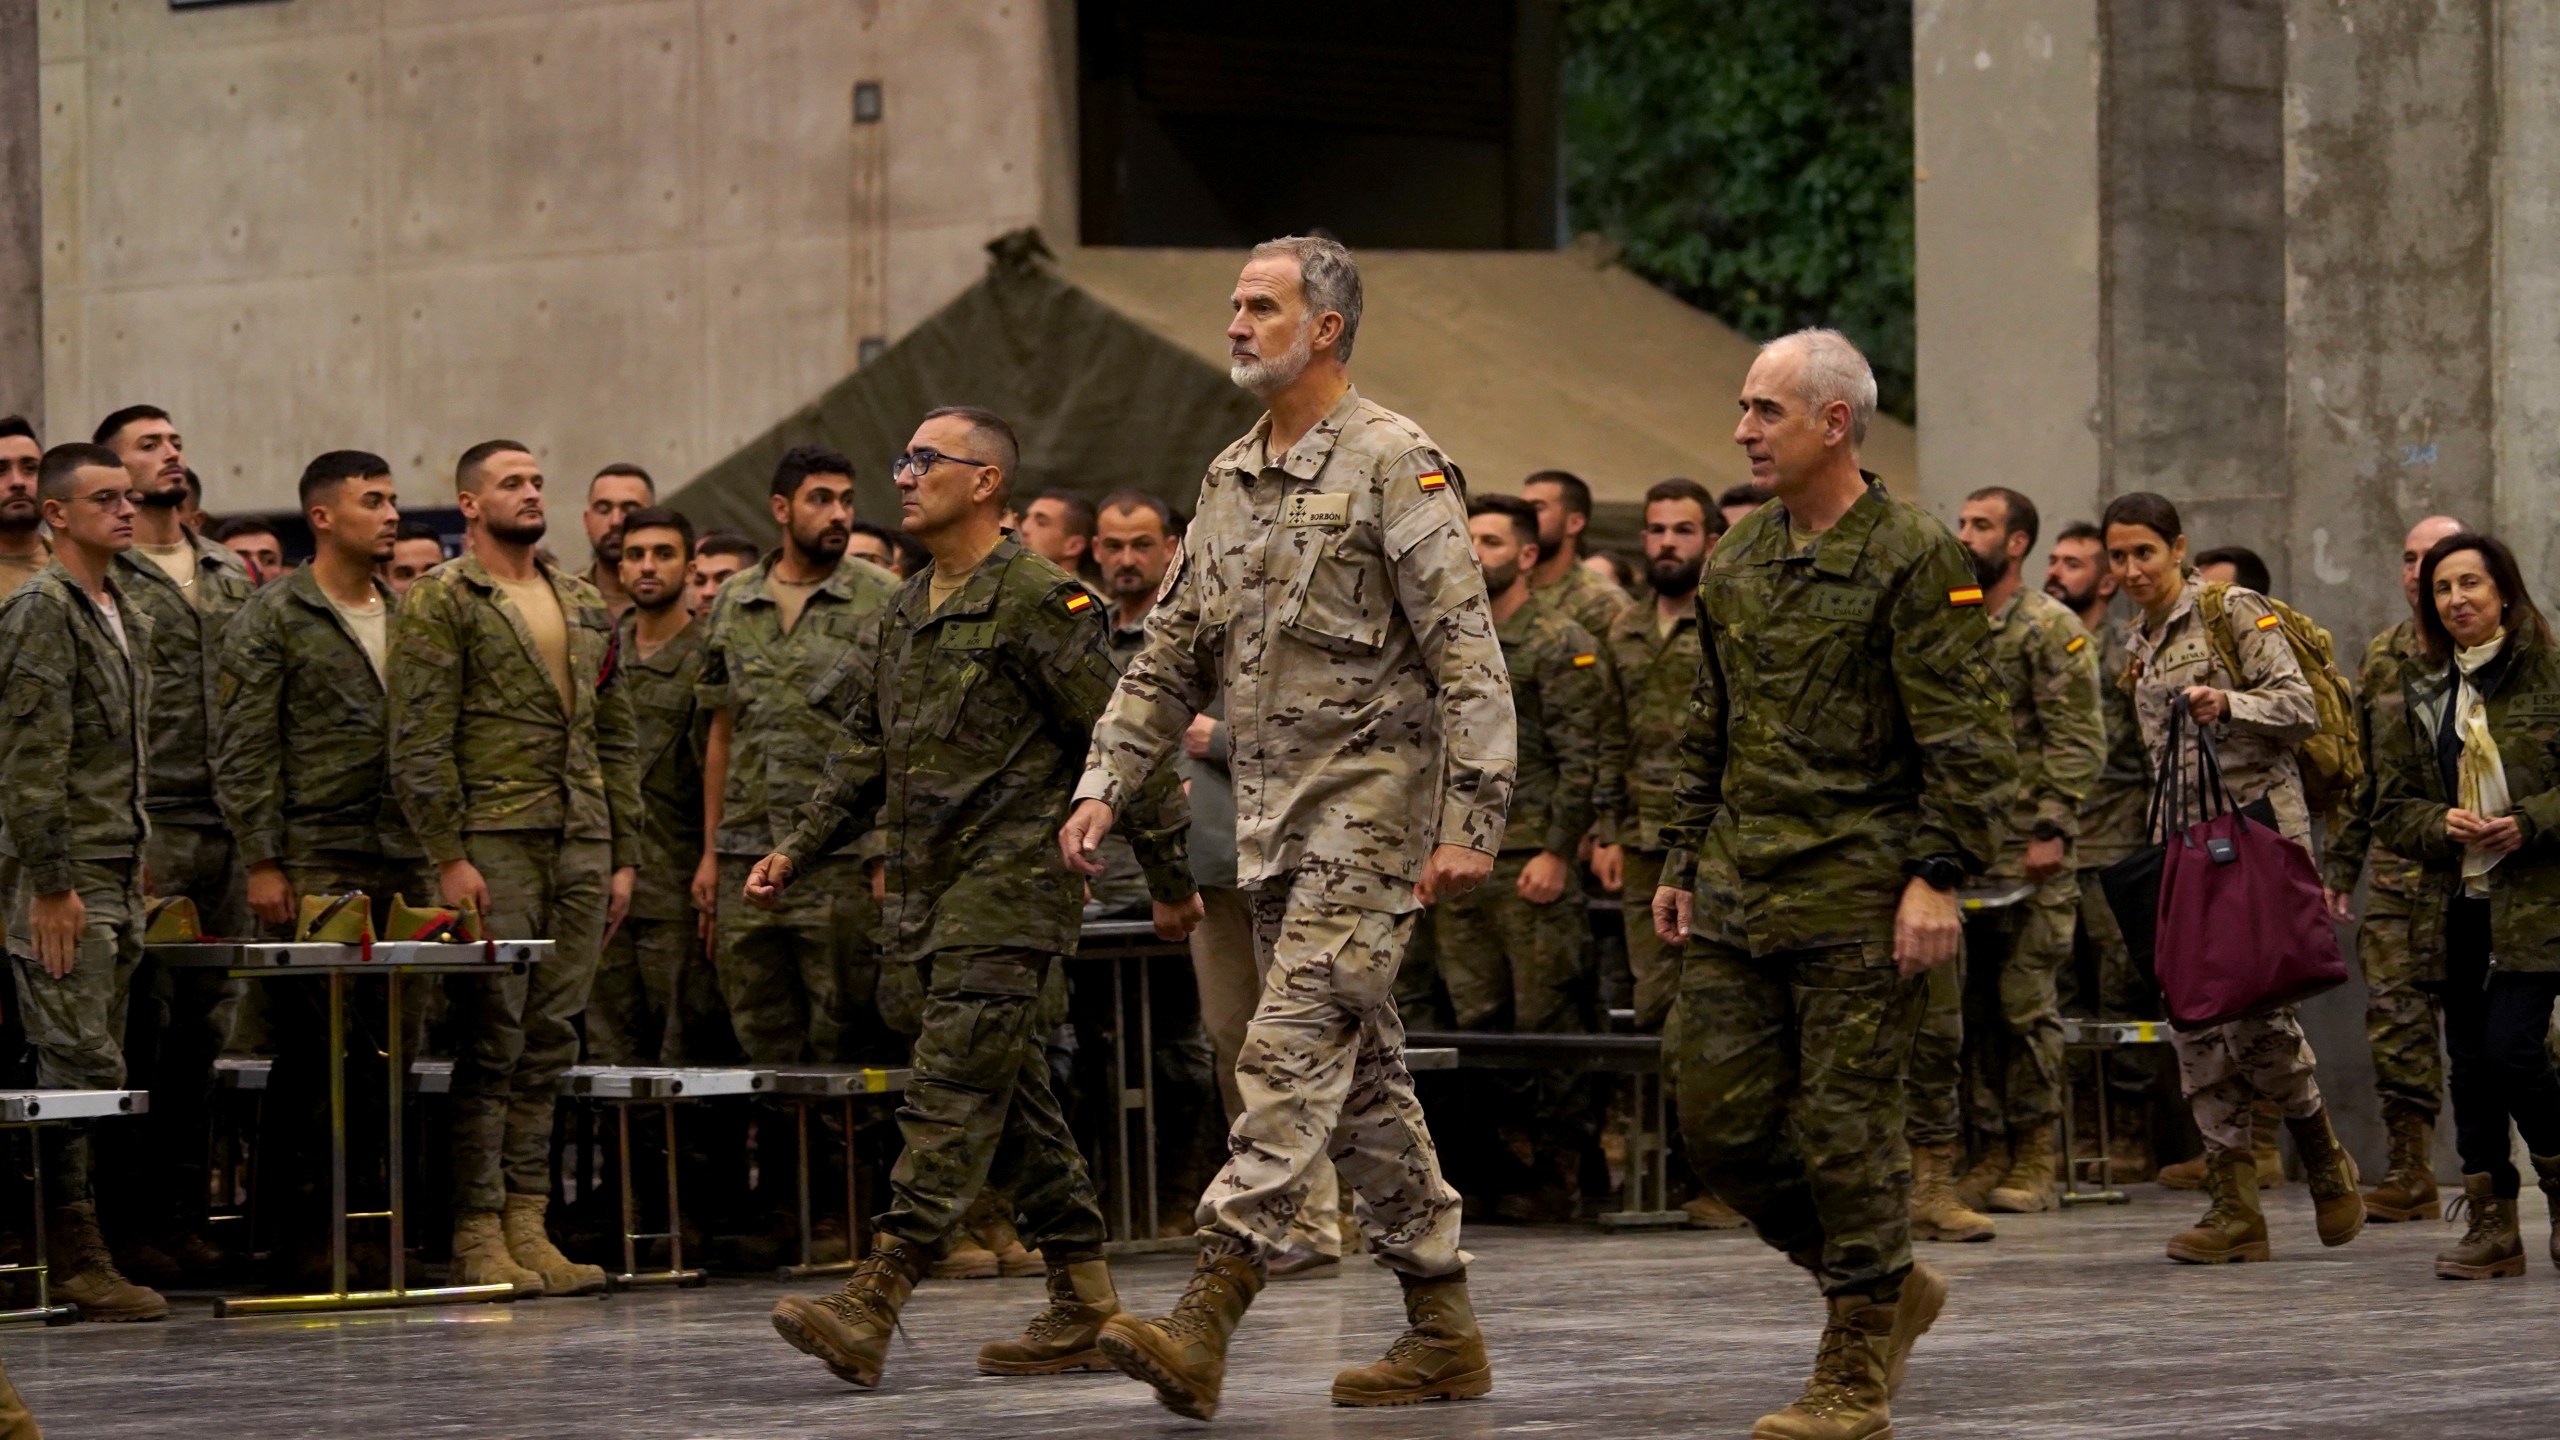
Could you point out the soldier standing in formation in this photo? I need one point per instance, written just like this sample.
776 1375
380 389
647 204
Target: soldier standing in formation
1327 589
612 495
1563 504
1846 766
23 550
303 777
512 755
967 709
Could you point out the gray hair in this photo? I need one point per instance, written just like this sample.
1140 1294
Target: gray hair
1830 368
1327 278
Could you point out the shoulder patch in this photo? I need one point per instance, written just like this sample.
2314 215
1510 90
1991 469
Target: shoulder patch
1432 480
1077 602
1965 595
1585 661
2268 622
2078 644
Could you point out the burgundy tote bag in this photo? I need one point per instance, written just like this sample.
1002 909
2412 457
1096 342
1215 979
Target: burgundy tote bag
2241 930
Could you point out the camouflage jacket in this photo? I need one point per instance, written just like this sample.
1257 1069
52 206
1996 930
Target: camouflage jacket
2414 791
186 649
2379 704
1564 710
73 764
1656 673
1122 885
305 763
1585 598
1332 595
964 728
1845 722
478 737
2045 664
2111 816
669 724
769 682
2271 705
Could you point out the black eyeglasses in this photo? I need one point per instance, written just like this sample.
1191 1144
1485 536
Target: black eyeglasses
920 460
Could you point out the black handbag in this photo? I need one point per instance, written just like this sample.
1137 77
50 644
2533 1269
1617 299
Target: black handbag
2132 884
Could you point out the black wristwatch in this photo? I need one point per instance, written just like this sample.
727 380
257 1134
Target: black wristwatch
1939 872
2046 830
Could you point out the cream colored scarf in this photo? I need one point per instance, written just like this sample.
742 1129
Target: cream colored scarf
2483 775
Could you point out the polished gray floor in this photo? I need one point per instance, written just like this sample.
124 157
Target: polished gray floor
2069 1325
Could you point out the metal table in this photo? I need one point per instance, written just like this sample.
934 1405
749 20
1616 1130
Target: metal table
1129 945
623 1086
1645 1200
2097 1037
394 961
30 1111
805 1085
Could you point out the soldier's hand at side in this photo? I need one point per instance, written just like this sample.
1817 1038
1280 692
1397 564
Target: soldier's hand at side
1176 922
1542 879
1926 928
460 883
1195 740
270 893
58 919
1609 867
765 882
1451 870
706 885
2342 904
879 882
617 899
2044 859
1082 834
1671 915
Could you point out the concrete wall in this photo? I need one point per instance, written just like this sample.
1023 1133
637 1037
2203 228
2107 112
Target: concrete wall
2526 297
21 217
616 229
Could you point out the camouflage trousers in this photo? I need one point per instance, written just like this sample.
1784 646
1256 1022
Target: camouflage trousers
1322 1072
1933 1098
656 1000
1790 1071
1511 965
804 981
75 1023
2124 992
2013 1027
2403 1022
515 1036
979 1112
2226 1069
1229 970
1656 966
180 1022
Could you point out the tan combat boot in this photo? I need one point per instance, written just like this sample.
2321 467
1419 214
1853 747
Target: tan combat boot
1440 1356
2263 1119
2232 1229
2547 1169
1847 1398
2408 1188
1924 1294
1060 1338
2187 1174
964 1255
849 1330
1014 1260
480 1255
2491 1249
1973 1187
1184 1355
1706 1212
2331 1173
1936 1213
2028 1187
529 1245
85 1275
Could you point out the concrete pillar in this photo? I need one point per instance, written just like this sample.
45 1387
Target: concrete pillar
21 218
2526 337
2390 119
2006 109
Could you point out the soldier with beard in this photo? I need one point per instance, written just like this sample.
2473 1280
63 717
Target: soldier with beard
22 548
615 492
1563 503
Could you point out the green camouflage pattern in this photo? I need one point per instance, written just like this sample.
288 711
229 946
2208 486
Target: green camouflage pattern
2013 1037
184 651
963 731
1566 715
2271 706
1510 965
2048 667
75 1023
303 765
1331 594
1588 600
668 727
2379 706
776 690
1656 673
479 741
656 1000
2111 815
2403 1021
1654 966
1933 1098
1846 721
806 980
73 763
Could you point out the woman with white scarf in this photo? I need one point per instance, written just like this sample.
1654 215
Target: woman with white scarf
2469 786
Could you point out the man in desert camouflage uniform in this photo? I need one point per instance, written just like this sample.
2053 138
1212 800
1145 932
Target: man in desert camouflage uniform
1328 590
1846 766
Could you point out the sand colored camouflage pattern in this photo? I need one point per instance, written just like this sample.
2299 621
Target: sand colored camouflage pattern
73 747
184 650
2379 705
2271 708
1656 674
2225 1069
668 724
1332 595
2048 667
1589 600
303 766
479 741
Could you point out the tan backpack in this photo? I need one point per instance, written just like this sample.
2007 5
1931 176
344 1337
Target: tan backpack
2332 760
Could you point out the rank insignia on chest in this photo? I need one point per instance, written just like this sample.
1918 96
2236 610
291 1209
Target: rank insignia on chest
2268 622
1585 662
2078 644
1078 603
1433 480
1966 595
1304 509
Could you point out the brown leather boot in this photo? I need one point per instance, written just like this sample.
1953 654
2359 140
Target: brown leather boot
2187 1174
2028 1187
529 1245
2547 1169
1014 1260
1973 1187
1184 1354
2265 1118
84 1274
2331 1173
2408 1188
2491 1249
480 1255
1924 1294
1848 1396
2232 1229
1936 1213
1706 1212
1060 1338
1440 1356
849 1330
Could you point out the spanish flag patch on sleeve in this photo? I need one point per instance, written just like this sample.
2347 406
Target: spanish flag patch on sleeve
1078 602
1966 595
1432 480
2268 622
2078 644
1585 662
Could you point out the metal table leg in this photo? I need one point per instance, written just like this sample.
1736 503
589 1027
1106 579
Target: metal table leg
809 1264
675 1273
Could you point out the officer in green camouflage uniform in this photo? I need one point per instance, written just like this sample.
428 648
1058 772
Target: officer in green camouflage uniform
969 705
1995 1017
2404 1023
73 771
1846 766
513 755
302 775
